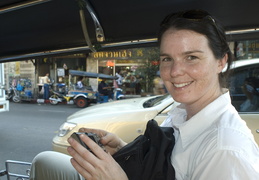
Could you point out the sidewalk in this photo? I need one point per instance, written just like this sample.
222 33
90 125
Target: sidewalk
40 100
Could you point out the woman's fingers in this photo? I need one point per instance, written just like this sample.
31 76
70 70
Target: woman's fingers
110 141
78 152
98 152
81 170
82 158
85 162
96 164
94 147
99 132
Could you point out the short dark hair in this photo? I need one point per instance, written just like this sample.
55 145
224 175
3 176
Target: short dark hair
203 23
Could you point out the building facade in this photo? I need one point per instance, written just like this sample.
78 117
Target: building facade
137 66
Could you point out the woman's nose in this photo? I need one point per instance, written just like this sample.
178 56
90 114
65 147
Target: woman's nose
177 69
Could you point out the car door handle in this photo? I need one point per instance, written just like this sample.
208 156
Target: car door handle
257 130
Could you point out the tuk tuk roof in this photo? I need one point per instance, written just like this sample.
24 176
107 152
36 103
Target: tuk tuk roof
91 74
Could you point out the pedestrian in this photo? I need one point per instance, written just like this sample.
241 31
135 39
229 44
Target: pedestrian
46 81
212 141
159 87
119 78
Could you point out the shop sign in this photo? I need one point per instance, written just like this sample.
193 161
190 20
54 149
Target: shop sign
252 47
61 72
117 54
13 69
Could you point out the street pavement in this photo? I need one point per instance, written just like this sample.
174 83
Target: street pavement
28 128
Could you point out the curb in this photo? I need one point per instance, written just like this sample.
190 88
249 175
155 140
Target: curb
46 101
40 101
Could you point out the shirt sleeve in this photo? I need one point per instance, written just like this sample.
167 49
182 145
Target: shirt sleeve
227 164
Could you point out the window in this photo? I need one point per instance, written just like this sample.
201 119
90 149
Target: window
244 88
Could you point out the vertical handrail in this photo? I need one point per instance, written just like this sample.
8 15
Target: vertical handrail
98 28
85 31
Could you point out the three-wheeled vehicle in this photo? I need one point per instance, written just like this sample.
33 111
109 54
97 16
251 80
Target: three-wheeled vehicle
83 97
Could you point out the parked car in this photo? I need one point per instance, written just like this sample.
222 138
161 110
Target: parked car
128 118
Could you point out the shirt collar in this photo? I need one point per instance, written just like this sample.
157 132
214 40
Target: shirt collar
191 129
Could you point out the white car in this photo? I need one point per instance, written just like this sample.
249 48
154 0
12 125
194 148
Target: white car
128 118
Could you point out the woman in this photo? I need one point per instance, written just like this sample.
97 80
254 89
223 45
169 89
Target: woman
212 141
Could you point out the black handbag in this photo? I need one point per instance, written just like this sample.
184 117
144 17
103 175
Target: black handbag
148 157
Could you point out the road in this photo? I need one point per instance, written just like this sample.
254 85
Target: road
28 129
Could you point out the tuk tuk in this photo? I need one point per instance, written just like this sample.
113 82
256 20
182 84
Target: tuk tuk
83 97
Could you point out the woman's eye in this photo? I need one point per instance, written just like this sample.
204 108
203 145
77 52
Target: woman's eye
191 57
166 59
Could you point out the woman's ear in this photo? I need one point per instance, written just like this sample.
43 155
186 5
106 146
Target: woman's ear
222 63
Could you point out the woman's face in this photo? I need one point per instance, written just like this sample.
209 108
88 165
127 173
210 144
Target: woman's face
188 67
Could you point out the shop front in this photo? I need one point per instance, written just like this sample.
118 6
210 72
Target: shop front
128 65
247 49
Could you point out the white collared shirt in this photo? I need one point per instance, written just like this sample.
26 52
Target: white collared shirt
215 144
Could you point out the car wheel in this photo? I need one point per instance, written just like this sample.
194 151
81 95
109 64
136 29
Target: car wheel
82 102
52 99
16 99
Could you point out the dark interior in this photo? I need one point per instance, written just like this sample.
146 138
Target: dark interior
52 25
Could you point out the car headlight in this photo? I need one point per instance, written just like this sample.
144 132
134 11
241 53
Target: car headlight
66 128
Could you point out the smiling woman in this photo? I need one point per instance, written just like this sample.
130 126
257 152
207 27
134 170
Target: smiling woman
189 69
210 135
194 53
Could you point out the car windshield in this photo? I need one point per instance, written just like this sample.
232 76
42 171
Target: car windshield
155 101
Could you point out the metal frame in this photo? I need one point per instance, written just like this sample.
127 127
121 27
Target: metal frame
18 176
4 104
24 4
98 28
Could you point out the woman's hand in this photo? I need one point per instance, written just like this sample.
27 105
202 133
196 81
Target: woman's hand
112 143
95 165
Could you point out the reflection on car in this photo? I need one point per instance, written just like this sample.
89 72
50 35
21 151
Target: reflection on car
250 89
244 85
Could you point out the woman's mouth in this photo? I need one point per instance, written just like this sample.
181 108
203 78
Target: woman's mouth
180 85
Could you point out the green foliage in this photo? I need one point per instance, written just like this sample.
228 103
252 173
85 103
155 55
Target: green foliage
149 68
